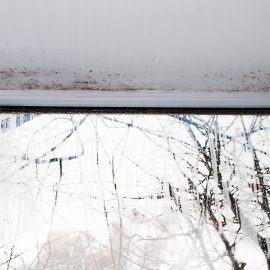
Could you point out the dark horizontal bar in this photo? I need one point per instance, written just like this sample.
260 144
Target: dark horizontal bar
134 110
135 99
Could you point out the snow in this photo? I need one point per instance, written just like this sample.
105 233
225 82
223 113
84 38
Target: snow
126 192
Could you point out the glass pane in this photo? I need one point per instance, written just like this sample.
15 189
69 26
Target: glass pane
89 191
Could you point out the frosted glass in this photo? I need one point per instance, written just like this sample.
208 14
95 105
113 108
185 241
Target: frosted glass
89 191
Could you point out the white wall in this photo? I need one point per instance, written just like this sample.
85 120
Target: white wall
153 44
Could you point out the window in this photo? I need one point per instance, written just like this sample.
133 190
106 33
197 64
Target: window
135 191
134 135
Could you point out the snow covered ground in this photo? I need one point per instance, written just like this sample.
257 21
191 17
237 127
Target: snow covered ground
135 192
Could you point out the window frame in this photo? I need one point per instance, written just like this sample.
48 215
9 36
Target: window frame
154 100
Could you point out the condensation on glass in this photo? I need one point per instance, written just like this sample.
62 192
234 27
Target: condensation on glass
88 191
